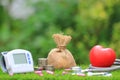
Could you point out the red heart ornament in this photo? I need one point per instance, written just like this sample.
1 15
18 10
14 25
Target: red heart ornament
102 57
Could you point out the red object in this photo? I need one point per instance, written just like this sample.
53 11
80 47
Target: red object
102 57
38 72
50 72
81 74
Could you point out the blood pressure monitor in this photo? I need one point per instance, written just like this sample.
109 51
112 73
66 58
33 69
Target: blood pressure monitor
16 61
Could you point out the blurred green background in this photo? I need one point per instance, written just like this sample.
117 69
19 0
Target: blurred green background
30 24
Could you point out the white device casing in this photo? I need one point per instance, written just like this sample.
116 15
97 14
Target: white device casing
18 68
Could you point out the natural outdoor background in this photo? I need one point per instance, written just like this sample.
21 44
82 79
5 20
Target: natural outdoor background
29 24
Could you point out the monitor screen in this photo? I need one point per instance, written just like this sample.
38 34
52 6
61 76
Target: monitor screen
19 58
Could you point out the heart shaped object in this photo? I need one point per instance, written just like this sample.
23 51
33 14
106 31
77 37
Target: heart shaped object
102 57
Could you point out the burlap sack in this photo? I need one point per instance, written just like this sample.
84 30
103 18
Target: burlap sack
61 57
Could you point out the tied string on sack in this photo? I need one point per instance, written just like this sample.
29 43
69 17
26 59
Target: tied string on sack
61 41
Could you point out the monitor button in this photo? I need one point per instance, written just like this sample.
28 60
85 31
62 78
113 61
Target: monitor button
28 55
29 62
28 58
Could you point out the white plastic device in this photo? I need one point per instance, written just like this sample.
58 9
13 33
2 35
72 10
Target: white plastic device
17 61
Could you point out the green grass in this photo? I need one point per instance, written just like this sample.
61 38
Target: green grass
57 76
